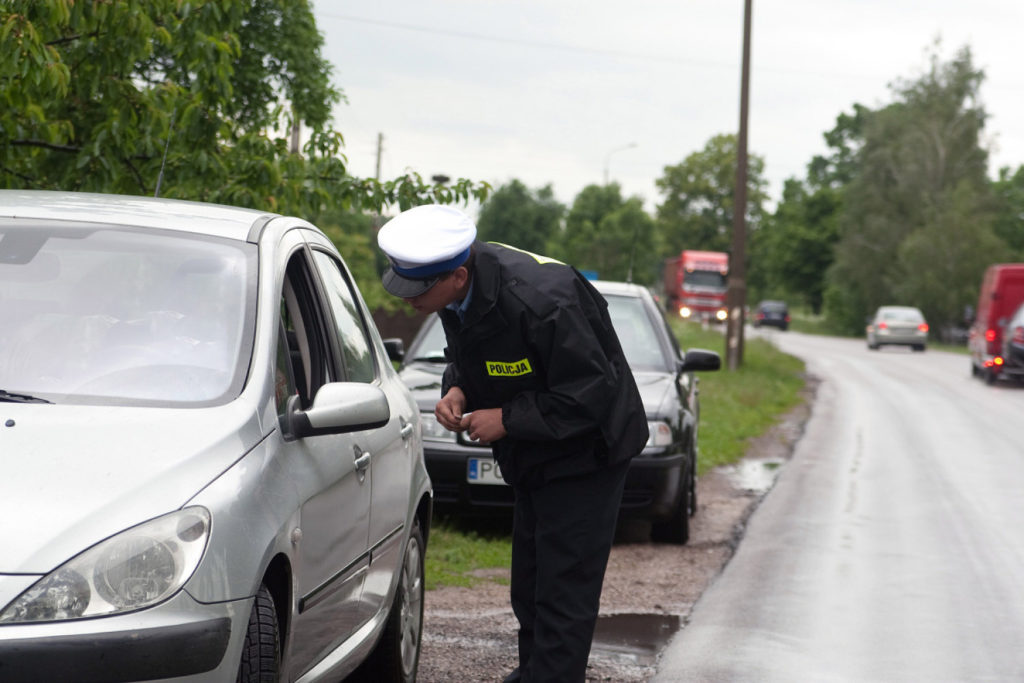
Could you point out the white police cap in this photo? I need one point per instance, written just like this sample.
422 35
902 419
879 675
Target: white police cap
422 243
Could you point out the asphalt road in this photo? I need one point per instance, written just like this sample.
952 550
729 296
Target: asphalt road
891 547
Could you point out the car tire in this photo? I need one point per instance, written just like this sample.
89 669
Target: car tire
919 347
396 656
990 376
676 529
261 652
693 486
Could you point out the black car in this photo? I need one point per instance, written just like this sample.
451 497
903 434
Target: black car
772 314
661 485
1013 346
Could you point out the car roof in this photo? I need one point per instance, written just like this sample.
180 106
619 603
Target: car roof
619 288
126 210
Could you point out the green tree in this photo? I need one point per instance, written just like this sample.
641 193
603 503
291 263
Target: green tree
697 211
517 216
1009 211
609 235
921 164
196 98
947 256
845 140
790 255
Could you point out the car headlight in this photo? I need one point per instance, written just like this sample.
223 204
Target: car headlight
660 434
137 568
433 430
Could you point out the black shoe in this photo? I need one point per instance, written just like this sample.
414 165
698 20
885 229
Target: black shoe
513 677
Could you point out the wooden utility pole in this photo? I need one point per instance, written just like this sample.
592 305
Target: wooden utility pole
736 295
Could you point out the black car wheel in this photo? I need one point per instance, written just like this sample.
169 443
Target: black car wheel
261 654
397 655
693 486
676 529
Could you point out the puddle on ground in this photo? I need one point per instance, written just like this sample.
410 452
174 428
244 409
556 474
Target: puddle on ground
638 638
756 476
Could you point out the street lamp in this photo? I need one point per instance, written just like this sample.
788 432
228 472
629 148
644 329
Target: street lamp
607 158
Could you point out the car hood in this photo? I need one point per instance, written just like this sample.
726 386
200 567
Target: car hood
75 475
424 380
655 387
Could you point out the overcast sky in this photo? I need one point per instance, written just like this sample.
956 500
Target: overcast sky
562 92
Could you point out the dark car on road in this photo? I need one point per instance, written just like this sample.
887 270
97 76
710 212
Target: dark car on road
661 486
772 314
1013 346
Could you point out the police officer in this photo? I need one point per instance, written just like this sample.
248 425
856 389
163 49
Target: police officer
536 371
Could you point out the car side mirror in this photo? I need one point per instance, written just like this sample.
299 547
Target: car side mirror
697 360
395 348
338 408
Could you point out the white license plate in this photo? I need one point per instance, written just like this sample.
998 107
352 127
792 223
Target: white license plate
483 471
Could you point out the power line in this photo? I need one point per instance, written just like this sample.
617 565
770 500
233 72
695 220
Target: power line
580 49
527 43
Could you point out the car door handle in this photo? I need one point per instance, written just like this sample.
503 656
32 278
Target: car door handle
406 430
362 460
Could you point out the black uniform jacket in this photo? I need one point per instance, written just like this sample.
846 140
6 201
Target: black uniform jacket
537 342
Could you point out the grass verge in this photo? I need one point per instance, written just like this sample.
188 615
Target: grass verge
462 549
738 405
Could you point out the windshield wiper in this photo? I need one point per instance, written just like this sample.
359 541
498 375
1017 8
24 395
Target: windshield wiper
431 359
9 397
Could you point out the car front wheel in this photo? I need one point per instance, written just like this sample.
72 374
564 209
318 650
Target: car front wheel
261 654
676 529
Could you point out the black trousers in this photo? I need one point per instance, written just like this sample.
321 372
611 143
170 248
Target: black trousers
561 538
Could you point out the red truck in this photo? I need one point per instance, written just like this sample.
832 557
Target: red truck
1002 291
695 284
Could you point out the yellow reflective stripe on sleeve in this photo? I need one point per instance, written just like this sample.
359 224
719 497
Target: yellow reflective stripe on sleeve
517 368
536 257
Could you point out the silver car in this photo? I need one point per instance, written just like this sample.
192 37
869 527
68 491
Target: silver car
211 471
897 326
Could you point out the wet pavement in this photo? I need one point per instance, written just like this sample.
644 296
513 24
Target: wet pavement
634 638
755 475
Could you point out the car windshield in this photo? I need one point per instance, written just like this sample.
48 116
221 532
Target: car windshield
704 278
121 316
431 345
633 326
905 315
636 333
773 306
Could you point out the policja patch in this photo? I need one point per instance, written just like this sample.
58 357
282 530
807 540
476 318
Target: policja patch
516 368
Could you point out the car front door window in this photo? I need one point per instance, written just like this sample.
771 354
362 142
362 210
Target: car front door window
352 334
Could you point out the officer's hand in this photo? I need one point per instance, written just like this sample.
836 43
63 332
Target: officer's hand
484 425
449 409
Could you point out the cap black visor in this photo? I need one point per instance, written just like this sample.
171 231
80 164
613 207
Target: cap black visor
406 287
